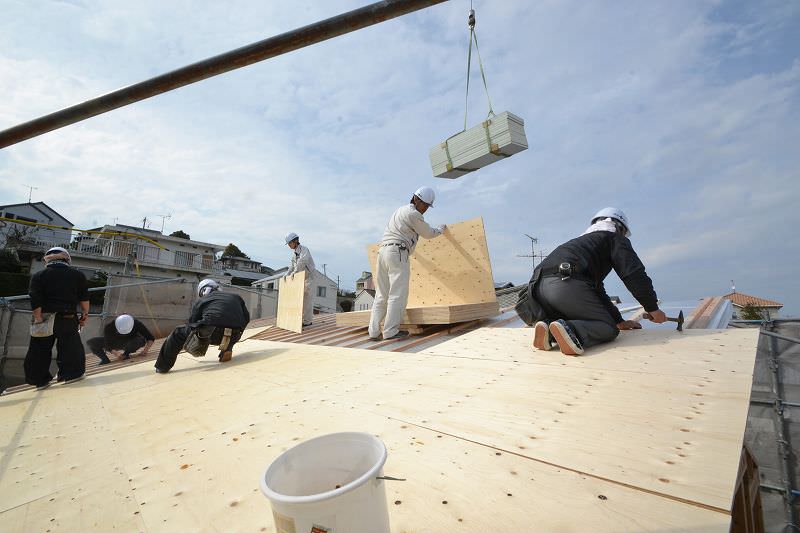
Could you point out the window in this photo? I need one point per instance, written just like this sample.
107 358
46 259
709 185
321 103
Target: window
321 291
270 285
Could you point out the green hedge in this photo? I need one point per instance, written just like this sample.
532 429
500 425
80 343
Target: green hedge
14 284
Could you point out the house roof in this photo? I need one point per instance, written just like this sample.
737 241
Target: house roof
278 274
740 299
158 236
371 292
38 206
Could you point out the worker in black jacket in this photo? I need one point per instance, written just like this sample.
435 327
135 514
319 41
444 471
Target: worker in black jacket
566 300
125 333
214 314
58 289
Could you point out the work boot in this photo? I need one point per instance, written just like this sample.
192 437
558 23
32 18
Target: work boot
73 380
398 335
566 338
104 360
225 356
541 337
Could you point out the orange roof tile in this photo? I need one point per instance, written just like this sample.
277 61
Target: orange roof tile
741 299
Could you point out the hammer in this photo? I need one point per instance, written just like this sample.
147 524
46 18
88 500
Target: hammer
679 320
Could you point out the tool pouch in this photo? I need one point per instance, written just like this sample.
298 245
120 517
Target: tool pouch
198 341
528 309
45 327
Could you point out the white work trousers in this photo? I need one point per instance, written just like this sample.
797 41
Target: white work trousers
391 291
308 299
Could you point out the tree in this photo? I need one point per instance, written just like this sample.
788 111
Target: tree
180 234
9 262
751 312
233 251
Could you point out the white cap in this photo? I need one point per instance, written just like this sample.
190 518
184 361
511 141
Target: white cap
291 236
124 324
207 286
426 194
616 214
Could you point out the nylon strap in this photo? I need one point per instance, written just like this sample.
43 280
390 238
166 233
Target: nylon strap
473 36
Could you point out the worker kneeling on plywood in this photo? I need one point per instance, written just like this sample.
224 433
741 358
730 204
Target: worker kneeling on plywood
392 268
565 299
217 318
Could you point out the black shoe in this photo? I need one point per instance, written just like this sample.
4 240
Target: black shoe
566 338
126 356
104 361
398 335
159 371
375 339
305 324
42 387
73 380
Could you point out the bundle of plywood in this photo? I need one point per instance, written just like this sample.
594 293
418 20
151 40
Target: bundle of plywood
494 139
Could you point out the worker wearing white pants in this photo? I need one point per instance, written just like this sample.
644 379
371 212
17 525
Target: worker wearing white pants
302 262
392 269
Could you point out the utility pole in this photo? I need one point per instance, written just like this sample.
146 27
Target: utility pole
30 191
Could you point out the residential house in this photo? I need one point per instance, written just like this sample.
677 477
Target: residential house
324 290
364 300
243 271
128 250
365 282
739 300
30 241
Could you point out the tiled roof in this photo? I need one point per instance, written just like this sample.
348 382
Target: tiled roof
742 299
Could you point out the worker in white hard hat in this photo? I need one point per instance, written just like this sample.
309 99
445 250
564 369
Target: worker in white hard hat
302 262
565 299
392 268
217 318
55 294
124 334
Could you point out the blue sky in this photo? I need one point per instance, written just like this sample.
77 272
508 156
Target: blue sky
685 114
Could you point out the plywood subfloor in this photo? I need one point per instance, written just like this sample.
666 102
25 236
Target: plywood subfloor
451 269
440 314
175 453
290 303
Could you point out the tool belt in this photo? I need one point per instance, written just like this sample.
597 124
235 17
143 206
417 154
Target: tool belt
45 327
401 245
199 340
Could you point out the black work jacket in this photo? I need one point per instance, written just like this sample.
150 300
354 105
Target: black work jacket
115 338
220 309
594 255
58 289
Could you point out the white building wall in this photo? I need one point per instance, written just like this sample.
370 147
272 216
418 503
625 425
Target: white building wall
53 237
363 302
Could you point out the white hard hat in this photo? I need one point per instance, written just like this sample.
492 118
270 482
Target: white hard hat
616 214
124 324
207 286
426 194
291 236
58 250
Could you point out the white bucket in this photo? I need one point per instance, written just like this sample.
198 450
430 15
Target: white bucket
329 485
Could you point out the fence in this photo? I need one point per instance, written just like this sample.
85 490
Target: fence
161 304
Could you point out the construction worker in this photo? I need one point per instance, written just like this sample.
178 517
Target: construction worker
565 299
392 268
217 318
302 262
55 294
124 333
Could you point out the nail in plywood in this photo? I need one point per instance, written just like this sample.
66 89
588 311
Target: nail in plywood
290 303
450 275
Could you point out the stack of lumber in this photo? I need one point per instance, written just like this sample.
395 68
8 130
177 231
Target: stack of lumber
451 279
494 139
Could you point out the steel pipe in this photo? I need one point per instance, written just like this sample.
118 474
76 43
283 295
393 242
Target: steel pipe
213 66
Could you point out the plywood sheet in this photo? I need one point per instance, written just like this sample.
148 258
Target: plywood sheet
290 303
444 314
468 429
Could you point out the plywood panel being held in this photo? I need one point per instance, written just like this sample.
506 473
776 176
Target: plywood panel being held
290 303
451 269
